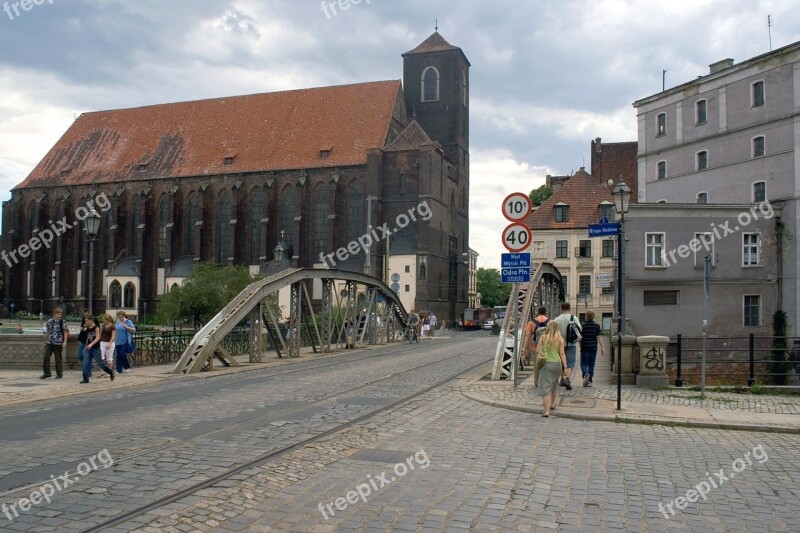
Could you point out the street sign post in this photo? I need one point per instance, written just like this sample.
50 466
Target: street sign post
603 230
516 237
515 267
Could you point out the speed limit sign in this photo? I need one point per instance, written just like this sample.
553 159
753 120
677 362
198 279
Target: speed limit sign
517 207
516 237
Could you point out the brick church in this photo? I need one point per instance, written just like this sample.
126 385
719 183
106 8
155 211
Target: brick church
267 181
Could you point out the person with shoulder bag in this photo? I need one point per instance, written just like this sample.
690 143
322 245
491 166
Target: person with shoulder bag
123 342
569 327
56 335
549 359
533 331
92 351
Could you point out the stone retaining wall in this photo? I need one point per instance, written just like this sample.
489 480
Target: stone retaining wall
26 351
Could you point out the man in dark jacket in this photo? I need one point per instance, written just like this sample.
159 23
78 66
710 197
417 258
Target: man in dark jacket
592 338
87 313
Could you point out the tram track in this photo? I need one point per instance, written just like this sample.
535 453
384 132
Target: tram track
274 454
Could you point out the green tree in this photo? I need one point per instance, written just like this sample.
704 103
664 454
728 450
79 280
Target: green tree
205 292
779 364
540 194
492 291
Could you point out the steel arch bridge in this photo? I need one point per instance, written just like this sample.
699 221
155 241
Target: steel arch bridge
340 312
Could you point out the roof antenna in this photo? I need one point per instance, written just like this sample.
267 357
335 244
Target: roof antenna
769 31
663 80
437 29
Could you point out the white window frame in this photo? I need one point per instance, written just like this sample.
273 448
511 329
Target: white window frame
753 146
697 198
659 131
757 247
658 174
697 120
701 252
760 306
753 93
753 190
659 255
697 160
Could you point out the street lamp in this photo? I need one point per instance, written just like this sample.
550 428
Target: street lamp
92 226
622 199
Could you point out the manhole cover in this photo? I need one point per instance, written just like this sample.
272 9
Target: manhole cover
569 401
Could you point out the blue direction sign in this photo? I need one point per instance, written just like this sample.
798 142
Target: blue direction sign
515 268
603 230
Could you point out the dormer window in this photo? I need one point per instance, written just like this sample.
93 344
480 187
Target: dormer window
229 161
64 173
142 167
606 210
561 212
324 153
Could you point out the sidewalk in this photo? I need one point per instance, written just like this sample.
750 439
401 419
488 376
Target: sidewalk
675 406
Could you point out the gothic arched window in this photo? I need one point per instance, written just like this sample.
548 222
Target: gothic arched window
223 224
430 84
163 220
355 210
136 219
256 214
287 214
130 295
193 217
320 219
115 295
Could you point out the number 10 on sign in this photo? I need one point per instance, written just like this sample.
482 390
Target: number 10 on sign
516 237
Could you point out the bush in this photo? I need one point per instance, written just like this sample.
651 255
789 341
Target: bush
779 364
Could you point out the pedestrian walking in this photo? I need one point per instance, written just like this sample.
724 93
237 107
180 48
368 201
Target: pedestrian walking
108 336
56 335
122 341
592 338
92 351
426 326
432 321
82 337
550 358
534 330
570 328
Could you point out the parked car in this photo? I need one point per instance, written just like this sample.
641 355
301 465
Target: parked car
487 324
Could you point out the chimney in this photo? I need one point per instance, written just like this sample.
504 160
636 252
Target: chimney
597 146
720 65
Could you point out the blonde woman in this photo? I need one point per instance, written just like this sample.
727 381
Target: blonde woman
551 348
108 335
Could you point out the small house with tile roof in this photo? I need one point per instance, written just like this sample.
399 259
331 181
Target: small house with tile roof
266 181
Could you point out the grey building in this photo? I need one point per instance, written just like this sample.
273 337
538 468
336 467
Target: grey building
731 136
667 245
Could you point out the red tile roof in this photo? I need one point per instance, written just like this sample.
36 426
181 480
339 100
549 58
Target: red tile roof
269 131
583 194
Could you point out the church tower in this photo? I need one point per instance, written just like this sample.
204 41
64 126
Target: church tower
436 87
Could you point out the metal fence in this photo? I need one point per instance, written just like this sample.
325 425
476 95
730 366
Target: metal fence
735 360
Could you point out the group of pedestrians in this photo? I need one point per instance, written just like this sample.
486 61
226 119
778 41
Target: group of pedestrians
98 342
554 343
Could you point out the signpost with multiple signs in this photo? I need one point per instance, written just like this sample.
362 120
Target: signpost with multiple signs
515 268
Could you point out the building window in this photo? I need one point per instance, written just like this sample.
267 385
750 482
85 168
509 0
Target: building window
287 216
654 245
408 269
223 225
702 160
324 154
561 249
320 219
758 146
565 284
752 310
661 167
192 219
430 84
228 161
608 247
115 295
701 111
750 249
402 183
136 219
423 272
702 198
142 167
758 94
760 191
163 220
706 247
607 290
464 88
584 285
129 300
256 215
661 297
585 248
355 211
607 211
562 213
661 124
408 288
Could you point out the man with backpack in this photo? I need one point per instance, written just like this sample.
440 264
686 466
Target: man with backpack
55 338
570 328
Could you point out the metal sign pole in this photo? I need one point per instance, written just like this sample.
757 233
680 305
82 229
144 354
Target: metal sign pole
706 270
515 326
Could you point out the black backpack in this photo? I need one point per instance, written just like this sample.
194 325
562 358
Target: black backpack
573 333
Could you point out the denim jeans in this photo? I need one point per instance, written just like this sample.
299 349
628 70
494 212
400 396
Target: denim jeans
588 358
122 358
91 355
81 347
571 352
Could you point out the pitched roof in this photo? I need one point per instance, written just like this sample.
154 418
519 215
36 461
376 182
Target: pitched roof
410 138
434 43
582 193
260 132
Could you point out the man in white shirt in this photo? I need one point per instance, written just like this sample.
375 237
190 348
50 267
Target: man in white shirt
570 349
432 322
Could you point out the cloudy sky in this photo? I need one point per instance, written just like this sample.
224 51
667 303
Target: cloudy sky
547 75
